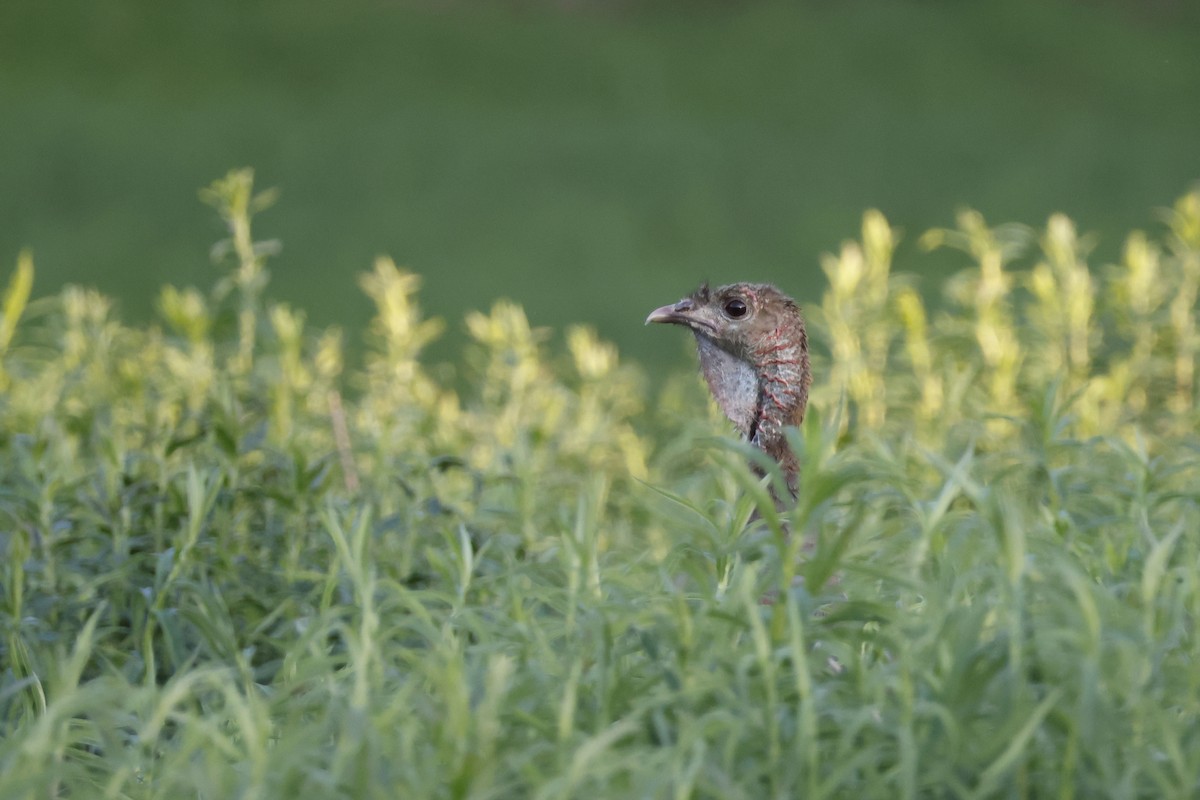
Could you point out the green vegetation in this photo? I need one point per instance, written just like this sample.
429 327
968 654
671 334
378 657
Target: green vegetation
233 568
578 156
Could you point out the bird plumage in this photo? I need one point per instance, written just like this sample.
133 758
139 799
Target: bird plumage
753 351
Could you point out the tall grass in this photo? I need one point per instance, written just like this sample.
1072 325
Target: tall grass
234 569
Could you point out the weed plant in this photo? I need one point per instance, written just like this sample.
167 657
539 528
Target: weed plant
234 569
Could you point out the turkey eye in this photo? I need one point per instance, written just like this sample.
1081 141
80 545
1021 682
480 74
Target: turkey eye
735 309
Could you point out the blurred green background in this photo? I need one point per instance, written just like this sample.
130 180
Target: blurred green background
589 160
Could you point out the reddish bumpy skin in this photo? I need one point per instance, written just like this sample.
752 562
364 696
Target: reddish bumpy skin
754 354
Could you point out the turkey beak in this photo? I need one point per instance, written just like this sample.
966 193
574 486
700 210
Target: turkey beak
676 313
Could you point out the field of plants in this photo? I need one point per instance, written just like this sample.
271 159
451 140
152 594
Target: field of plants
233 566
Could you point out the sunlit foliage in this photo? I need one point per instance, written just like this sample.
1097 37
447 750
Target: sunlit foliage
235 566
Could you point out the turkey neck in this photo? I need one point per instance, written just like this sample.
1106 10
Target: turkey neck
763 389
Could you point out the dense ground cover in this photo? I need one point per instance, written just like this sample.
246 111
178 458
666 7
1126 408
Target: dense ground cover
550 151
233 568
